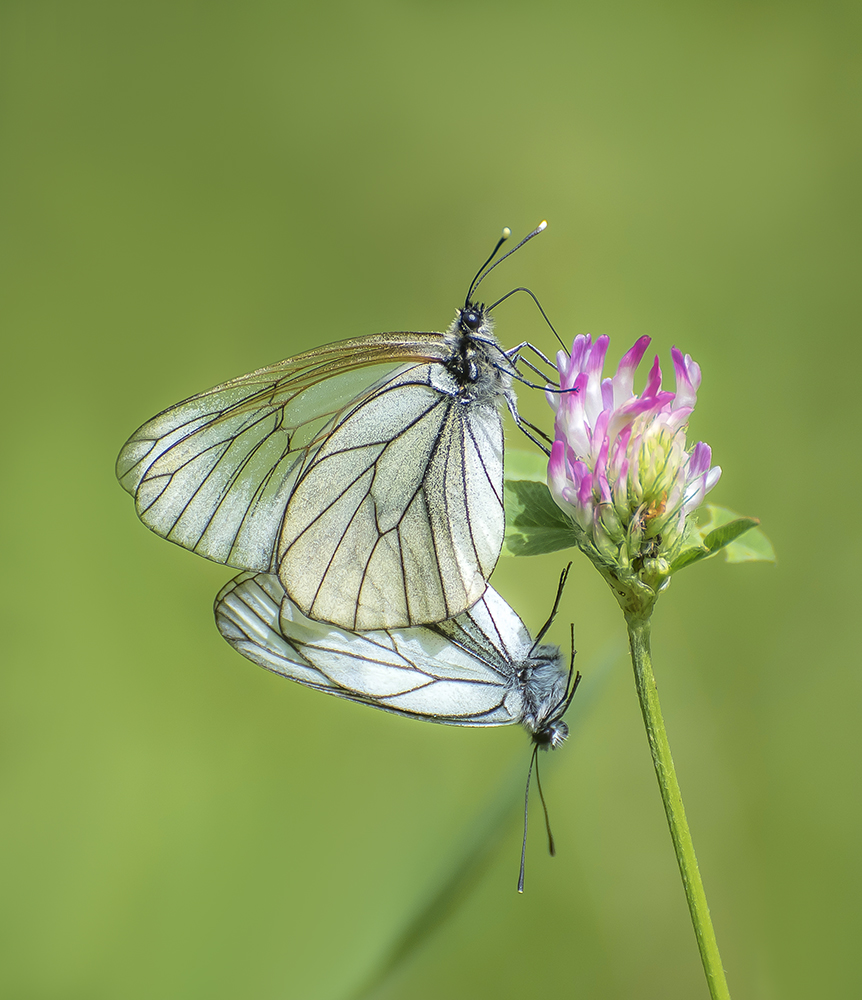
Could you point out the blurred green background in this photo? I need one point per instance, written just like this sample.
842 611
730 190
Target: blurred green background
192 190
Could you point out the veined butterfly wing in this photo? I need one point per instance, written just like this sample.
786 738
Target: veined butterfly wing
378 505
403 501
214 472
480 669
367 474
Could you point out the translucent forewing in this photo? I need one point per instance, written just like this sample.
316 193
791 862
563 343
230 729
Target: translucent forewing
478 670
379 505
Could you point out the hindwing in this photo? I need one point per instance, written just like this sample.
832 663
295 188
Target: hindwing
416 672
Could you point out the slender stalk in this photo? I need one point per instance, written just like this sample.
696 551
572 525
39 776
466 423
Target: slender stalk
639 634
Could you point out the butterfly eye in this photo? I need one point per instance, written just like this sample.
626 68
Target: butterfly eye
471 319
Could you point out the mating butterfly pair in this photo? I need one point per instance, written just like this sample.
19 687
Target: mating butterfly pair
360 486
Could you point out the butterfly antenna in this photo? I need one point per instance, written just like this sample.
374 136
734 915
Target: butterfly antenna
484 270
541 633
552 850
533 297
526 818
534 760
506 234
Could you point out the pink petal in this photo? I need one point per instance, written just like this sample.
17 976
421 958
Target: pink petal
558 481
597 356
683 367
677 419
580 351
600 432
625 376
712 477
585 492
700 459
607 394
694 494
653 385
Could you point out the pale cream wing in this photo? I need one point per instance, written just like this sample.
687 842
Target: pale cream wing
415 524
214 473
417 672
493 629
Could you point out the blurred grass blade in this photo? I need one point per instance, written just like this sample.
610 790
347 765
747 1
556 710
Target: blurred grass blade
442 902
480 841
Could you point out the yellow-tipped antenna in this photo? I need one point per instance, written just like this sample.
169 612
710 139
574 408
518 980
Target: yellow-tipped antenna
484 270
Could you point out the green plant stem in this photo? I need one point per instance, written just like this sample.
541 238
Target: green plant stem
639 635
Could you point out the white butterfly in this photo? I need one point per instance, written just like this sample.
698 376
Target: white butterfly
368 474
479 669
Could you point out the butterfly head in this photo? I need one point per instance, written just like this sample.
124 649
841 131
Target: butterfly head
551 734
472 318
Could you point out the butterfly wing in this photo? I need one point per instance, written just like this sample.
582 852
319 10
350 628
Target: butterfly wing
415 527
415 672
493 630
214 473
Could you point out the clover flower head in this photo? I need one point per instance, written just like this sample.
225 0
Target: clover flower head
619 465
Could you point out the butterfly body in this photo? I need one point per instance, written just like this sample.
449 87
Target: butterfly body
474 357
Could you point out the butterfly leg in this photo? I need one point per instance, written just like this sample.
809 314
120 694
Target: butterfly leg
524 424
